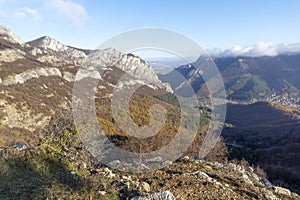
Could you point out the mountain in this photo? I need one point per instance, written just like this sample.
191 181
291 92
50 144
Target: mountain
42 154
37 78
248 78
59 50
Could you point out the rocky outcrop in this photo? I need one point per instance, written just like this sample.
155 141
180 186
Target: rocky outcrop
8 35
47 43
26 119
25 76
52 51
280 190
11 55
51 46
143 73
137 68
222 180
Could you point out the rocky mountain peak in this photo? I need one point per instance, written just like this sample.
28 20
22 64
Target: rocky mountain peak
133 65
8 35
57 50
48 43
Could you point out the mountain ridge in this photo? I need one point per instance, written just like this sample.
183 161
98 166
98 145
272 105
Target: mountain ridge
33 77
247 79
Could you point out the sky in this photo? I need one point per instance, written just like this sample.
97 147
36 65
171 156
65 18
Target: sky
211 23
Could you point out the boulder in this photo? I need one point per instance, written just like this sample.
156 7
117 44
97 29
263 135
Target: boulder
165 195
20 147
280 190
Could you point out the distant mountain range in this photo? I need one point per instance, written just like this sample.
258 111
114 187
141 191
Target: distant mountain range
246 78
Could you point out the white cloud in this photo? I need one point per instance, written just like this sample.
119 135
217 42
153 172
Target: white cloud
260 49
18 15
74 12
34 13
26 12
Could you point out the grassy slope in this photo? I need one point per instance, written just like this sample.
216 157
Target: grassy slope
60 168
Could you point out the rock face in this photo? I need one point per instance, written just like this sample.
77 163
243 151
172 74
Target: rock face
143 73
47 43
137 68
51 46
54 52
8 35
24 76
11 55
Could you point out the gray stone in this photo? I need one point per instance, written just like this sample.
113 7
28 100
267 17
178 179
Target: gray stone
280 190
146 186
165 195
266 182
20 147
246 179
168 162
155 160
232 166
114 163
102 193
185 158
108 173
203 176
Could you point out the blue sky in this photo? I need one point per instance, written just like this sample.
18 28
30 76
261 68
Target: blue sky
211 23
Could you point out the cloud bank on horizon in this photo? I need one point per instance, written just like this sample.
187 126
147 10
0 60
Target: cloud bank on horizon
257 50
